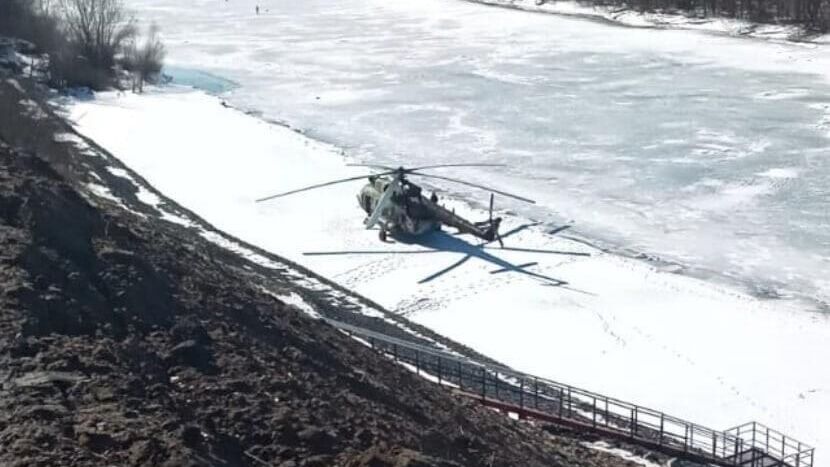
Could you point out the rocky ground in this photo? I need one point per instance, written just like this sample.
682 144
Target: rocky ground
125 340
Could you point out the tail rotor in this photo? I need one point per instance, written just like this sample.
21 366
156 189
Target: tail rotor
494 223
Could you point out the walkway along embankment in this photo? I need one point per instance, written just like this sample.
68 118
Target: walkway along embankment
751 444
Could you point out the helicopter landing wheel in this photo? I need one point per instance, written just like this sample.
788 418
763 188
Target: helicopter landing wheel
382 235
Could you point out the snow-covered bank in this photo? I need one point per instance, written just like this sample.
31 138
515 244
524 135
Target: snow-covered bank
620 326
649 141
629 17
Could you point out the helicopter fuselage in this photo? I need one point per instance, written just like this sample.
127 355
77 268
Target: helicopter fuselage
395 204
409 212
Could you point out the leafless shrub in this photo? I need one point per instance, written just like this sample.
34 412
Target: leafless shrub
83 38
29 20
98 28
144 58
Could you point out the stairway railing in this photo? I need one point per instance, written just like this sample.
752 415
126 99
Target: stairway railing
774 443
535 397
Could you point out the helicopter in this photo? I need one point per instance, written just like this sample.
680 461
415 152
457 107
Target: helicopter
398 206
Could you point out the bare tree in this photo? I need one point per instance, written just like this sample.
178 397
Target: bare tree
144 58
43 7
99 29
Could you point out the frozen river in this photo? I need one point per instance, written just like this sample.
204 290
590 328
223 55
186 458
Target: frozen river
706 151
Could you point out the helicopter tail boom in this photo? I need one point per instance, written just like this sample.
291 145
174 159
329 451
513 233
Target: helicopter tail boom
486 230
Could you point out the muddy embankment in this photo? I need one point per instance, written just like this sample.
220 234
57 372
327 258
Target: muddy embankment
126 339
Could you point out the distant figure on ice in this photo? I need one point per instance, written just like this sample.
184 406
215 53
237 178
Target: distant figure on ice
257 9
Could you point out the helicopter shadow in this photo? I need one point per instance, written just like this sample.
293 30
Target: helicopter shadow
441 241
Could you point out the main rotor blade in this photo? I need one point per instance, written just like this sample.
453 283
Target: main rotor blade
464 164
319 185
503 193
372 166
436 166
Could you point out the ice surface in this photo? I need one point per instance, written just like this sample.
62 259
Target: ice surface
647 141
198 79
694 348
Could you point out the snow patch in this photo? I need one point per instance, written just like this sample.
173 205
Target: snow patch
80 143
622 453
176 219
33 109
103 192
120 173
294 299
13 82
784 172
142 193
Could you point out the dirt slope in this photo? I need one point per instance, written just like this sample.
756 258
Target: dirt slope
129 341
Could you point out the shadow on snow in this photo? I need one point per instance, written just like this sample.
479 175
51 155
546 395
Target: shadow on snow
440 241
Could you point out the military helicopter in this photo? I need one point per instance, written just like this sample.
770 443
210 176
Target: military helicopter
398 206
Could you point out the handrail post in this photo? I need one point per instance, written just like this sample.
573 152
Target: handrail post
798 455
594 412
439 371
561 401
522 394
417 362
535 393
686 437
570 408
753 434
460 383
483 383
634 421
692 434
714 444
662 427
395 351
606 412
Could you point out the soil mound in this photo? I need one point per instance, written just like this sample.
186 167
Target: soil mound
128 341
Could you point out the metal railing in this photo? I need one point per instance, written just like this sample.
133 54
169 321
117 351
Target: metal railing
751 445
774 444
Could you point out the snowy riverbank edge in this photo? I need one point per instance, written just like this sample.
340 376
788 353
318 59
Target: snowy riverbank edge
637 328
666 20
